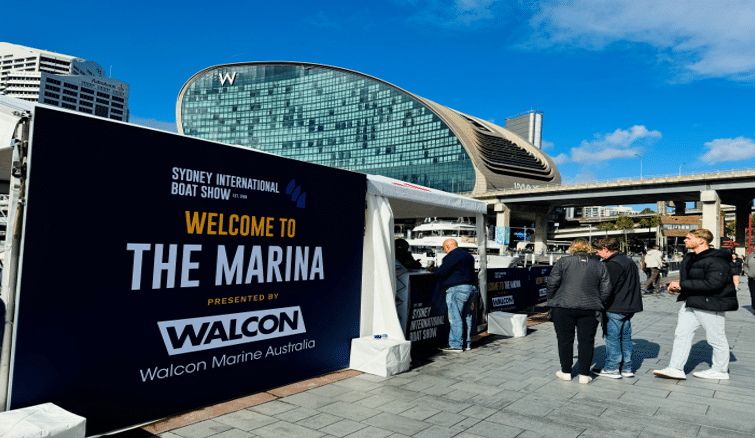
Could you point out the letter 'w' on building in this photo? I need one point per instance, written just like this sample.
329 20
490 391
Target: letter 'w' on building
227 77
208 332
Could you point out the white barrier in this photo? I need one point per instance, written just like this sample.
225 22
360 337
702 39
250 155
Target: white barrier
45 420
507 324
382 357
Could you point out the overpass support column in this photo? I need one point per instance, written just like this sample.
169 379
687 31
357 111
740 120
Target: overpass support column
541 233
742 216
712 214
502 219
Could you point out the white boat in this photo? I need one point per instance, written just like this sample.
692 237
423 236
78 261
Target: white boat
426 243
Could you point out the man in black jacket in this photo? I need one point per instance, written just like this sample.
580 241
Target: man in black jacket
706 288
624 302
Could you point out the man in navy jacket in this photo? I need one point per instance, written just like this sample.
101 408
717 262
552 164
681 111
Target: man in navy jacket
456 275
625 301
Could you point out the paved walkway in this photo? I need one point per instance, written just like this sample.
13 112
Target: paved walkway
506 387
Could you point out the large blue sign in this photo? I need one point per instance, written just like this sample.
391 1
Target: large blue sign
515 289
162 273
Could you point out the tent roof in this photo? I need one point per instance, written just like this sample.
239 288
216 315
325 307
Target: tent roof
415 201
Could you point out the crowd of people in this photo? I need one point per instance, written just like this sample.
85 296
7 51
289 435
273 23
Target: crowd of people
598 283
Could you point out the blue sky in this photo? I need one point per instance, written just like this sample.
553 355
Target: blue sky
670 81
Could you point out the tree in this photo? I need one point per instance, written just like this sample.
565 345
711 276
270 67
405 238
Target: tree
647 211
624 223
606 226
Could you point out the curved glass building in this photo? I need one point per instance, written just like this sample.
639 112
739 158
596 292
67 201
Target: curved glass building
345 119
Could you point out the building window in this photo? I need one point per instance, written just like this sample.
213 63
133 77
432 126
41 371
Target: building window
86 90
102 101
105 95
100 110
116 118
53 81
69 99
53 95
50 102
118 99
116 105
84 96
70 93
71 86
115 111
69 106
85 110
85 103
52 88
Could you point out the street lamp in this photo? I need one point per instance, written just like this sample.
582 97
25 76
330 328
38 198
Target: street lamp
640 164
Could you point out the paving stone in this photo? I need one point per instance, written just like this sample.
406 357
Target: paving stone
307 400
234 433
419 412
283 429
491 430
479 412
397 423
343 428
374 401
544 426
350 411
352 396
331 390
443 404
297 414
397 406
445 419
202 429
245 420
497 401
319 421
436 432
273 407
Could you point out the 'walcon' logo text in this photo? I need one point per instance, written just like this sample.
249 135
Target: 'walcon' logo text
208 332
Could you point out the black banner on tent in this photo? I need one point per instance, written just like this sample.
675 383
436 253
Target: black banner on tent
163 273
516 289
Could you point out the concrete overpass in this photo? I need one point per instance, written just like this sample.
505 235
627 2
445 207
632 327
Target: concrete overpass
713 189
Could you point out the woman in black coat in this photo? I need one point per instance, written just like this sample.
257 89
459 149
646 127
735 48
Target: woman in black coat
578 288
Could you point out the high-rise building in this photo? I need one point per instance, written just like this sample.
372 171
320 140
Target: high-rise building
61 80
342 118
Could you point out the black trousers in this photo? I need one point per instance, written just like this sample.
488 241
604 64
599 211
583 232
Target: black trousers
565 321
751 285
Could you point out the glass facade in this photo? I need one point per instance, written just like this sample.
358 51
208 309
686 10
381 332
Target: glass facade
326 116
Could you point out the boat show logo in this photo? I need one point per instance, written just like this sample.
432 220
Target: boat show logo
209 332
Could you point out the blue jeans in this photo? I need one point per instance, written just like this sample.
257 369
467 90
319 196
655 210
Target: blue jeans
618 341
459 300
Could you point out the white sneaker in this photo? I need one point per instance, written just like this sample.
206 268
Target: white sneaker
563 376
671 373
613 374
711 374
627 374
584 379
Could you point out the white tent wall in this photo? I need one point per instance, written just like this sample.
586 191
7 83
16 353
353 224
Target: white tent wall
379 272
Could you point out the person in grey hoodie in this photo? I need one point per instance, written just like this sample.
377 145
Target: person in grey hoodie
625 301
578 288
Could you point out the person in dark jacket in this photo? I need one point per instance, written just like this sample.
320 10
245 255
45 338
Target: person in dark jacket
624 302
706 290
457 277
578 288
736 268
404 255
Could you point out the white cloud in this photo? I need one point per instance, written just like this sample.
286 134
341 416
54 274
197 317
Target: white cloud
547 145
560 159
729 149
696 38
154 123
700 37
618 144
